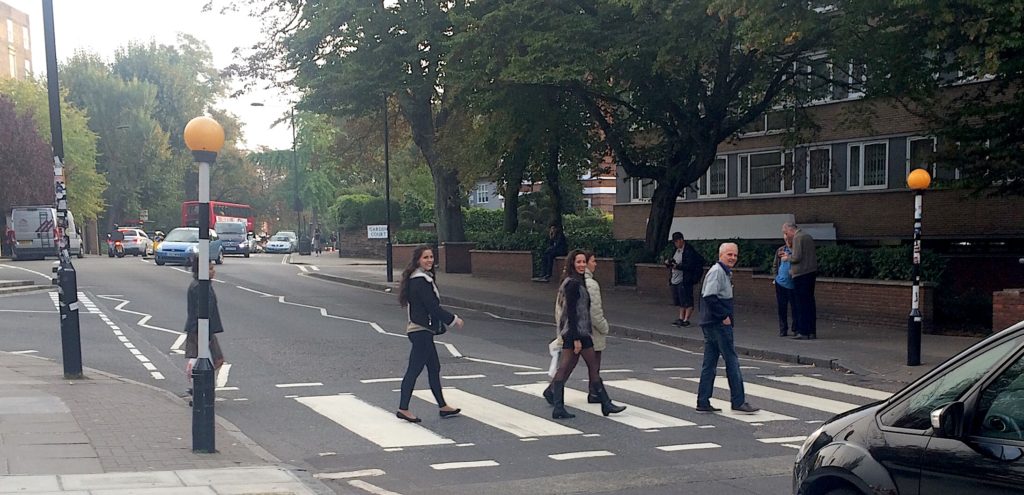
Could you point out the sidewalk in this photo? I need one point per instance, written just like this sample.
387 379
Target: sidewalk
877 352
108 435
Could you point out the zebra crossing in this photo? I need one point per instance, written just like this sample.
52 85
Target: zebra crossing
83 300
802 400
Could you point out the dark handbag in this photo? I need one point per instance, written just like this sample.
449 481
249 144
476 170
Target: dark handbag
436 327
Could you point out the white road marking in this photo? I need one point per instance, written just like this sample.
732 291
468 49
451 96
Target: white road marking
782 439
527 373
371 488
178 343
157 375
462 377
496 317
580 455
45 276
29 311
264 294
780 395
689 446
634 416
451 349
378 328
347 474
226 389
284 260
616 371
833 386
144 316
499 363
380 380
673 369
314 268
371 422
463 465
30 351
304 270
687 399
294 385
222 375
499 415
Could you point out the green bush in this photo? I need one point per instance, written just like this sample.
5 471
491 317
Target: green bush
844 262
415 211
374 213
502 241
415 236
895 263
482 219
969 310
347 210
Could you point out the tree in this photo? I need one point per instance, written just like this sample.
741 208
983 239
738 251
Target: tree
347 55
25 160
665 82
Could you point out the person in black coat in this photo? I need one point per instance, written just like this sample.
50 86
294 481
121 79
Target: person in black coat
418 293
558 245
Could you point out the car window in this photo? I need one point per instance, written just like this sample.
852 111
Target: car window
1001 407
281 238
914 411
183 235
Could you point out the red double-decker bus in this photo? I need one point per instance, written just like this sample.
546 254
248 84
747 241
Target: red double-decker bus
219 212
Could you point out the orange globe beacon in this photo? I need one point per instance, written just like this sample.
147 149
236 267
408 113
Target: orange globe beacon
204 134
919 179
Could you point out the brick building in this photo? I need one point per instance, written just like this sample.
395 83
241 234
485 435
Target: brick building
16 61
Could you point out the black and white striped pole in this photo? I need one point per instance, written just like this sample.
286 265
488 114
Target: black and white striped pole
918 181
205 137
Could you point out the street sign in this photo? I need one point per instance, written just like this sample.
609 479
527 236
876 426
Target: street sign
376 231
144 215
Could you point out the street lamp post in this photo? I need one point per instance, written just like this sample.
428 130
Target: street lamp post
389 261
918 181
205 137
67 278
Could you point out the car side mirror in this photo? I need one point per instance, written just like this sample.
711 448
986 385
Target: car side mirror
948 420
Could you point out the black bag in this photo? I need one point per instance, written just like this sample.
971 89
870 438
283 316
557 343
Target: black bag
436 327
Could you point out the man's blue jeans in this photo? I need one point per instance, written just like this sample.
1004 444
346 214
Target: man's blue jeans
718 341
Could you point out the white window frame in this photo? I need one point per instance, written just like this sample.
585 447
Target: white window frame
861 186
636 190
933 167
25 38
482 195
783 190
702 183
853 95
830 89
807 169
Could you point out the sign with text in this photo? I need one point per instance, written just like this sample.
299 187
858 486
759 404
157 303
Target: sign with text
376 231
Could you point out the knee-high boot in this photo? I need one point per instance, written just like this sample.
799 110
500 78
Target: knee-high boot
607 407
592 397
549 395
558 391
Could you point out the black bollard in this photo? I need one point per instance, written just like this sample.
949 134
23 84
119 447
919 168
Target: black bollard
70 333
203 437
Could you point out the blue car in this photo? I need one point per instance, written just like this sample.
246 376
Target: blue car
181 246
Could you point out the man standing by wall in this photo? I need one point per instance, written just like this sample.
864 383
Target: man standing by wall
804 268
686 265
716 321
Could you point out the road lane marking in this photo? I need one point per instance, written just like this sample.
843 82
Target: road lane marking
263 294
580 455
780 395
673 369
294 385
371 422
492 315
176 347
380 380
144 317
45 276
833 386
222 375
689 446
462 377
30 351
634 416
349 474
498 415
451 349
371 488
782 439
527 373
686 399
304 270
314 268
463 465
499 363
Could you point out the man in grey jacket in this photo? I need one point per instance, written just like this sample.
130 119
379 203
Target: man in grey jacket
803 266
716 321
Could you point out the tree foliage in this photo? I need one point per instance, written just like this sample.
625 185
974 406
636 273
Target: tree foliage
25 160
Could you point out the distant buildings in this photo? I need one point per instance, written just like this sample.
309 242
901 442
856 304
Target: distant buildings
16 60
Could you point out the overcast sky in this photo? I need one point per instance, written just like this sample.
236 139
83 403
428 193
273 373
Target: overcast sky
102 26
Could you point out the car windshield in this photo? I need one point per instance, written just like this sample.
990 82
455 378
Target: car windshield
128 233
281 238
230 228
183 235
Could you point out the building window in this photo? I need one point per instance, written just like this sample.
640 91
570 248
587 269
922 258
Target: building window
10 31
819 169
868 165
12 61
24 38
641 190
483 193
766 173
713 183
921 154
769 123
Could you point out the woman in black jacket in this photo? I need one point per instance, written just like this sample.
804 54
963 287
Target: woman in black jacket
426 316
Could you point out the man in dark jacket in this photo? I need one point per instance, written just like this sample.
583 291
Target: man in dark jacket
716 320
557 246
687 266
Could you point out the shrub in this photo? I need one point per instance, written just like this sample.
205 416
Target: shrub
414 236
843 261
348 210
482 219
895 263
374 213
414 211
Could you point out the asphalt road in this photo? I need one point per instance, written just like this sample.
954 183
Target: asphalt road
315 367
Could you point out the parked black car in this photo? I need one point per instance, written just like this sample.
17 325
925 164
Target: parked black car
957 430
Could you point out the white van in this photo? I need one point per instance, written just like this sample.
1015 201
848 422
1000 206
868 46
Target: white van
34 229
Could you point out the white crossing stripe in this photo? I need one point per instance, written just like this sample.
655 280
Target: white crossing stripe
673 369
782 439
689 446
842 388
634 416
222 375
371 488
463 465
688 400
371 422
499 415
293 385
780 395
580 455
348 474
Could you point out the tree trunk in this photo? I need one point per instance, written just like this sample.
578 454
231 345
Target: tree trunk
551 180
448 205
92 242
515 167
659 222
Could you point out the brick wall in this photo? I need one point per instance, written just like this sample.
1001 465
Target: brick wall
401 254
355 244
454 257
605 274
948 214
1007 308
508 265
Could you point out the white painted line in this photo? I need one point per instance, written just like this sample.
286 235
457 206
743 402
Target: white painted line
527 373
779 395
705 427
179 342
463 465
149 366
118 333
226 389
797 447
129 345
496 317
45 276
371 422
377 328
689 446
122 338
462 377
348 474
687 399
499 363
591 435
741 367
314 268
142 358
371 488
528 439
580 455
222 375
394 449
499 415
380 380
843 388
673 369
284 260
143 317
30 351
243 399
782 439
264 294
797 366
304 270
469 444
135 351
616 371
291 396
451 349
294 385
157 375
634 416
48 311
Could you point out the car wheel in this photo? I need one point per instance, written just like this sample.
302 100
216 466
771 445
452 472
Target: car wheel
159 263
220 258
246 254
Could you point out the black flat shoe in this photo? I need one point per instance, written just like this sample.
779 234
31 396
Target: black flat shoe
407 418
448 414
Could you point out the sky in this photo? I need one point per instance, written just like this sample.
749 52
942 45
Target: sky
103 26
